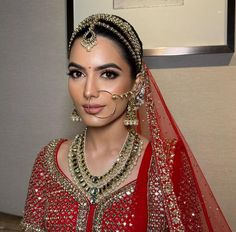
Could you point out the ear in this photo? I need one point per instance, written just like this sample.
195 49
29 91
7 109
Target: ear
138 83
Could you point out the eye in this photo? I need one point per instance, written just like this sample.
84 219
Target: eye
75 74
110 74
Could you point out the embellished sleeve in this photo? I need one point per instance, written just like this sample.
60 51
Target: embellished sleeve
34 212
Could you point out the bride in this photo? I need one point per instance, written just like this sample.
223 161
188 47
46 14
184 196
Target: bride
130 169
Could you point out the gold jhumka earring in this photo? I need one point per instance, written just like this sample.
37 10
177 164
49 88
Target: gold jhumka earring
75 117
134 103
131 114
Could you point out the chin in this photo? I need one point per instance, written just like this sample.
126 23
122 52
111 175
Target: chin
97 122
93 121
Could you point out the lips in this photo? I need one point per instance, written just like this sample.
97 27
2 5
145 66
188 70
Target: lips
93 108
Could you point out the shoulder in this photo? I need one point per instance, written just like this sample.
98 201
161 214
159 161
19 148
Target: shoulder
45 163
64 145
62 156
55 144
49 149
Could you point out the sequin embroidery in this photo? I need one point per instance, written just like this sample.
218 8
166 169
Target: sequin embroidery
54 203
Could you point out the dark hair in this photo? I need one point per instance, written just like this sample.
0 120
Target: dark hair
126 53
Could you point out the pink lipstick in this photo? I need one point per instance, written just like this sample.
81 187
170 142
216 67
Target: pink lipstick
93 108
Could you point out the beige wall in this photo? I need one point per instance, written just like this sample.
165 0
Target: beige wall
35 106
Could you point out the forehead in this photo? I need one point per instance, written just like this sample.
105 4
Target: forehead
105 51
102 44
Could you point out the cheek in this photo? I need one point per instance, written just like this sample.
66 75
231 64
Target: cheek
121 87
74 90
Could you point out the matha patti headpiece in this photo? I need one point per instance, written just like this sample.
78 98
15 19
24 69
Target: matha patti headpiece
122 29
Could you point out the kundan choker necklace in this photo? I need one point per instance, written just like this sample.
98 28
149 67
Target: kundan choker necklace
97 187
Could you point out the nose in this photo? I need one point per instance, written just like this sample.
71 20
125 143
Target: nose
90 89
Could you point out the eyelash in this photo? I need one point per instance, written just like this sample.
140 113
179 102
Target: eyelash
74 74
113 74
107 74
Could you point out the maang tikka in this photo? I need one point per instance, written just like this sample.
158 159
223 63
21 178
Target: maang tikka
89 39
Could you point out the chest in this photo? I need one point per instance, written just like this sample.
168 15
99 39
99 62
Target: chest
66 212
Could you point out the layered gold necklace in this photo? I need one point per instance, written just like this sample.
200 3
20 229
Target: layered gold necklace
97 187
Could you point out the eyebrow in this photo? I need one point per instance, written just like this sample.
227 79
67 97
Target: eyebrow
101 67
109 65
72 64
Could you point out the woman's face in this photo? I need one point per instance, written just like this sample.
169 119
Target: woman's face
94 76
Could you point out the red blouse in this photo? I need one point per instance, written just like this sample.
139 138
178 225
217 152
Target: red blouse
54 203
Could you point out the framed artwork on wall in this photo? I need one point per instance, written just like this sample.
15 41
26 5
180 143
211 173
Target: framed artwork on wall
178 28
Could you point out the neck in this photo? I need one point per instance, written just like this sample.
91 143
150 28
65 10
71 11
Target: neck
109 137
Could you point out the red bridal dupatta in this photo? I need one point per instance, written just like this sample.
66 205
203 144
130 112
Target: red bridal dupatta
188 201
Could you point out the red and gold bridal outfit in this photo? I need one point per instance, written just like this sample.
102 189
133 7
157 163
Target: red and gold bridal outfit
170 193
54 203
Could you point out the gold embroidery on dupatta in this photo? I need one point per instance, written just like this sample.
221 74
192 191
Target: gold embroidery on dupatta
163 157
156 208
